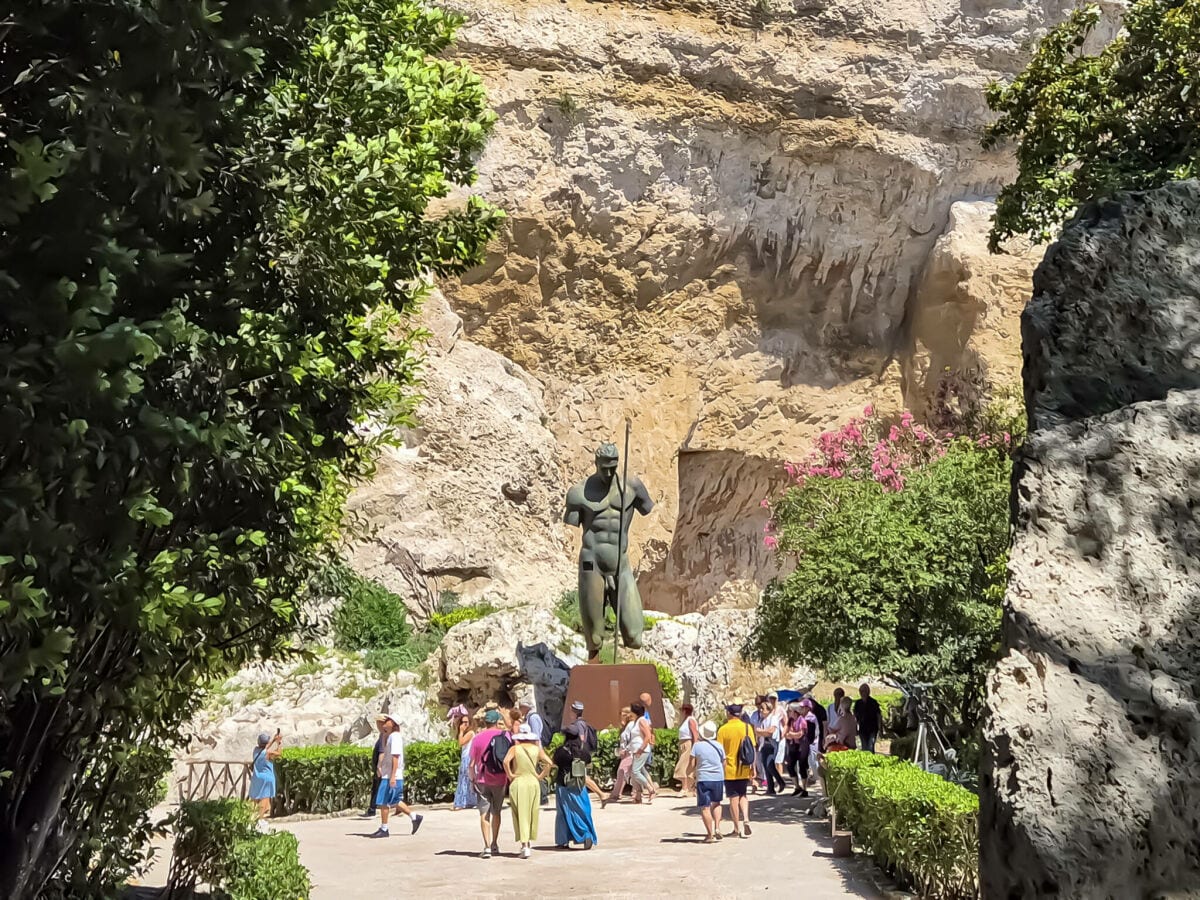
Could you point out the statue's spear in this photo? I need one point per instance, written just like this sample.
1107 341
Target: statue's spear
621 538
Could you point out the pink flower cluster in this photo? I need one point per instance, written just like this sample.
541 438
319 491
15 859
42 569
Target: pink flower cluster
869 447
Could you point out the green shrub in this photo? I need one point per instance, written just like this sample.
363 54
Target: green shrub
267 867
567 610
384 661
668 681
205 834
445 621
924 829
369 616
322 779
431 771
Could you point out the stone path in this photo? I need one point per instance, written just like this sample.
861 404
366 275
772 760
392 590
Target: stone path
643 852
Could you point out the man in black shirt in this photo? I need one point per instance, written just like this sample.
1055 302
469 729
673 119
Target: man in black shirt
869 716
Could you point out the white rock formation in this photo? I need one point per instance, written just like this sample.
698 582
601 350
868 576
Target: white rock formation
512 654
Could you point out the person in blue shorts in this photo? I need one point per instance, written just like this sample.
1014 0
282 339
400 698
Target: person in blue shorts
710 780
391 778
262 778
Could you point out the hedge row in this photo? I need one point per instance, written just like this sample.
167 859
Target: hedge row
330 778
216 844
921 827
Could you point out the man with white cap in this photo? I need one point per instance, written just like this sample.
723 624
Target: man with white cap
391 774
587 733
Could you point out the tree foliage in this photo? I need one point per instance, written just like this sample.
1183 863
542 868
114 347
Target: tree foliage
899 562
213 219
1127 118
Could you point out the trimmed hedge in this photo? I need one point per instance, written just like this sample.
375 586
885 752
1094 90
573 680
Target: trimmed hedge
331 778
216 844
924 829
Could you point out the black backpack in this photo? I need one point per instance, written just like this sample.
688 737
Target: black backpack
747 753
494 753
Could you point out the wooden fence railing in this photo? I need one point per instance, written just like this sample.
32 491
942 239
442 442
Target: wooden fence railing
209 779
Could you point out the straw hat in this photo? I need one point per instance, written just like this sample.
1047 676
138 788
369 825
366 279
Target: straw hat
708 731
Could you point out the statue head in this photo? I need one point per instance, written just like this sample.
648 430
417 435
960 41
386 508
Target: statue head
606 460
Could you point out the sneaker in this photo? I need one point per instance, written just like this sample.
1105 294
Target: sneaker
718 836
417 820
526 853
379 832
746 828
486 854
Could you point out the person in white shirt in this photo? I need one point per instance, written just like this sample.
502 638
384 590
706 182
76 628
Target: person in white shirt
832 708
391 778
769 734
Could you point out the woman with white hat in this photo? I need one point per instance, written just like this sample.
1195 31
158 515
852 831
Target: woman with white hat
526 765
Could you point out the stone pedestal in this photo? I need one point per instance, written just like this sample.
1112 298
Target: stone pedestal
605 690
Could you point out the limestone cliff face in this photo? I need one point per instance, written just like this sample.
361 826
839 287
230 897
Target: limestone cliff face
735 223
1094 707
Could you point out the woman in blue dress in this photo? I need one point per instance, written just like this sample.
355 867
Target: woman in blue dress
573 820
464 732
262 779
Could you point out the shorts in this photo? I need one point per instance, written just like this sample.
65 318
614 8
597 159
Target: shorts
736 787
388 795
709 793
490 799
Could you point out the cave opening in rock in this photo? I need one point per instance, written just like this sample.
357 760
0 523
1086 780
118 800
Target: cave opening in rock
717 556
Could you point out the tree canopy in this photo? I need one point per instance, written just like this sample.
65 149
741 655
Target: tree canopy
214 218
1127 118
898 539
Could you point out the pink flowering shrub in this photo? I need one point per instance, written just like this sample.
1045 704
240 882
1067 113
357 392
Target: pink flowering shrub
872 447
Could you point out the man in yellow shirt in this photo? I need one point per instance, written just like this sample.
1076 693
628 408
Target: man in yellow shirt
737 774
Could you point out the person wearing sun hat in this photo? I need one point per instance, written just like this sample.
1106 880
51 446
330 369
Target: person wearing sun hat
390 796
709 757
527 766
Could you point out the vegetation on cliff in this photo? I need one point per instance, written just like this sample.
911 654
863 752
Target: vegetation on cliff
1127 118
214 218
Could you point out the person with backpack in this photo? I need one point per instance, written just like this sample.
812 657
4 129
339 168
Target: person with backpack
573 819
587 733
741 751
709 759
489 749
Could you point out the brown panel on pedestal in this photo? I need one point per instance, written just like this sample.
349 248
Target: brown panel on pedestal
604 690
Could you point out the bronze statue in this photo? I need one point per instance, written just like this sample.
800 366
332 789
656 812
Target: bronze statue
604 509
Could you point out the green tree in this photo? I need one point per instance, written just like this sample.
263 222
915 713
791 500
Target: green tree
899 567
1087 125
213 220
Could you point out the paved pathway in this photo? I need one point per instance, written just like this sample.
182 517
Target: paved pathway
643 852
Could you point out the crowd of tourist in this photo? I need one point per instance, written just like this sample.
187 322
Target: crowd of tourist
759 747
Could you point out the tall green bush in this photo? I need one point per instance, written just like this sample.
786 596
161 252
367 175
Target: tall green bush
922 828
267 868
897 541
216 843
213 221
369 616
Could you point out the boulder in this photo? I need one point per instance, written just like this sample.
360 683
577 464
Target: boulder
1091 775
509 655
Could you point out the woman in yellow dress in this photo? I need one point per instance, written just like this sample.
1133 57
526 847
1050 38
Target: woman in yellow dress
526 764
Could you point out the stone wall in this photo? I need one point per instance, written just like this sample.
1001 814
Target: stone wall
1091 783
